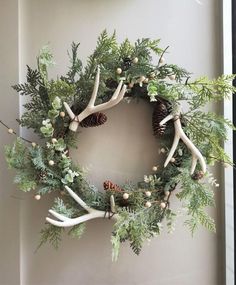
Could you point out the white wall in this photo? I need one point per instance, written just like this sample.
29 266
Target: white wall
192 31
9 202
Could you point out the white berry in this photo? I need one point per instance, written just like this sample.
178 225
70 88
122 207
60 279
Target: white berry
155 168
125 196
118 70
148 193
51 162
163 205
162 59
135 60
172 77
148 204
167 193
33 144
172 159
54 140
162 150
37 197
62 114
10 131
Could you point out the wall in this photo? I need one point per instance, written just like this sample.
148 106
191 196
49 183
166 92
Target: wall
9 198
192 31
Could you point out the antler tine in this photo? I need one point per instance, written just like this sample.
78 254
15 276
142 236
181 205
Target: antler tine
115 99
69 111
90 109
74 119
179 134
58 216
95 88
172 150
74 221
64 221
78 199
112 203
167 119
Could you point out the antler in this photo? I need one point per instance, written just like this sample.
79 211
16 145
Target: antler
90 109
92 213
179 134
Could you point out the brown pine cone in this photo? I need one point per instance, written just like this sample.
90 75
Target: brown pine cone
108 185
139 91
94 120
198 175
159 113
42 176
60 133
111 83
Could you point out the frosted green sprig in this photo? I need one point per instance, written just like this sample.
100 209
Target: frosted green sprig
69 177
152 91
47 128
56 104
45 60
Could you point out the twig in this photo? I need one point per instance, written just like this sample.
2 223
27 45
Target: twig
186 81
167 205
164 51
13 132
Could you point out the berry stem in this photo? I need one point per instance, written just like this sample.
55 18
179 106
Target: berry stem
6 126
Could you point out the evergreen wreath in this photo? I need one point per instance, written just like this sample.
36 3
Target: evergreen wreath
113 72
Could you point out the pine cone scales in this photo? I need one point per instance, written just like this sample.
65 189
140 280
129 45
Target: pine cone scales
94 120
159 113
127 62
42 176
108 185
198 175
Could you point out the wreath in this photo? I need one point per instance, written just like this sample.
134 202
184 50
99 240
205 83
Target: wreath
114 72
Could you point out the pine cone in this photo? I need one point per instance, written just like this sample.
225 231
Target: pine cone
139 91
60 133
42 176
111 83
94 120
108 185
159 113
198 175
127 62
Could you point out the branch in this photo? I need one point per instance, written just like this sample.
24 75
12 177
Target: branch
68 222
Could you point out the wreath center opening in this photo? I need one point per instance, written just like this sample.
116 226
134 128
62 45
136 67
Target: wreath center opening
121 150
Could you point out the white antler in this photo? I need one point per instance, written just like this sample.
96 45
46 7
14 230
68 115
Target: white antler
179 134
92 213
90 109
